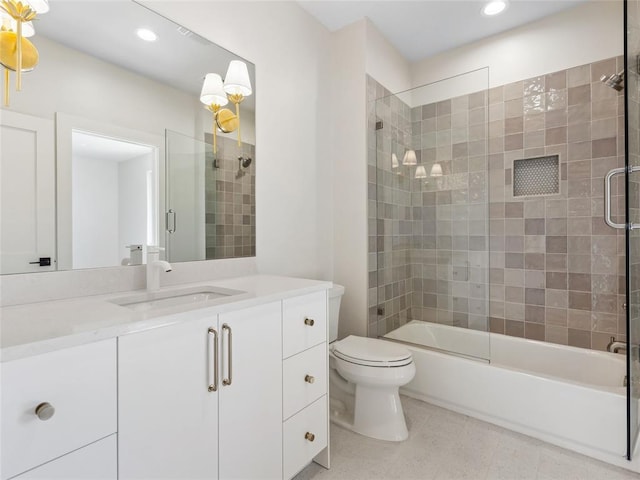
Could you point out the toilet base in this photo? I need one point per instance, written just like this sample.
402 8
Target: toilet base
380 417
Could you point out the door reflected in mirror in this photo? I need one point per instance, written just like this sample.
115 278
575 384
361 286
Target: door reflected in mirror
114 199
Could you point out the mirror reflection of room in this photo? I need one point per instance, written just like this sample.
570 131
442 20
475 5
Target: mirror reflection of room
118 91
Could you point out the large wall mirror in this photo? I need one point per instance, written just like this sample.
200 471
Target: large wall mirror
116 141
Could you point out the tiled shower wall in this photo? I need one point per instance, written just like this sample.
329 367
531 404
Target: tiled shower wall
556 270
230 207
390 213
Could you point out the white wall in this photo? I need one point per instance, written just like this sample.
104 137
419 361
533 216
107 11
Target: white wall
95 212
132 202
590 32
288 47
77 84
384 62
349 182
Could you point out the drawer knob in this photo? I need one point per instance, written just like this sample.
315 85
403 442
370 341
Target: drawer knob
309 436
309 379
309 321
45 411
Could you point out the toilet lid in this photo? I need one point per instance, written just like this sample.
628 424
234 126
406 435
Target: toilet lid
371 352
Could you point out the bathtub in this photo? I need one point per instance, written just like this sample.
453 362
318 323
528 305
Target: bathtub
571 397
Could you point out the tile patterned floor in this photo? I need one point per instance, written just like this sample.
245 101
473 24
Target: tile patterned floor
444 445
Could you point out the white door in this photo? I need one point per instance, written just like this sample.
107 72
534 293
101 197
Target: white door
27 193
167 425
250 419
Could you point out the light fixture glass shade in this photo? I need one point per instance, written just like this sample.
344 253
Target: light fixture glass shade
436 170
394 161
212 91
421 172
10 24
410 158
40 6
237 81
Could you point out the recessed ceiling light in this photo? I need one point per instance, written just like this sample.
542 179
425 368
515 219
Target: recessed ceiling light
146 35
495 7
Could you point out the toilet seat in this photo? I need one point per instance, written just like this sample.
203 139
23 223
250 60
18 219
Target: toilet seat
371 352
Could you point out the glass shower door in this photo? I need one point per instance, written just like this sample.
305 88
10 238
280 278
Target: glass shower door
632 190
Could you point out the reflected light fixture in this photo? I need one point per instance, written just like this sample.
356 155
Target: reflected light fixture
410 158
421 172
17 53
237 85
146 34
494 8
214 98
436 170
216 94
394 161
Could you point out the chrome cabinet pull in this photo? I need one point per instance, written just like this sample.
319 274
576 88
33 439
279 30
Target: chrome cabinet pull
213 348
45 411
227 381
309 436
309 321
309 379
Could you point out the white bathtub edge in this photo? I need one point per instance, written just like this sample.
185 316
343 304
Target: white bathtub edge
502 396
622 462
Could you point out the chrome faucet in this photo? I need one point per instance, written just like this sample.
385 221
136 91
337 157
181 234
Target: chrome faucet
615 346
154 265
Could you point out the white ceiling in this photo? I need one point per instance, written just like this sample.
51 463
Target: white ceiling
422 28
97 147
107 29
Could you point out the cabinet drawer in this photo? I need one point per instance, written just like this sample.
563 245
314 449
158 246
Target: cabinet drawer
298 450
304 322
305 379
97 461
79 382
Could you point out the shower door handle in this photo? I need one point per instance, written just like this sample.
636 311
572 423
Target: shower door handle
170 221
607 197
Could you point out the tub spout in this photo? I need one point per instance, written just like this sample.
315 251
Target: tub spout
615 346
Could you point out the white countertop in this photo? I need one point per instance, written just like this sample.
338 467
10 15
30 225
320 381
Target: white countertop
37 328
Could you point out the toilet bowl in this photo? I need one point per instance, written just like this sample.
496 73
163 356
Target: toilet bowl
368 373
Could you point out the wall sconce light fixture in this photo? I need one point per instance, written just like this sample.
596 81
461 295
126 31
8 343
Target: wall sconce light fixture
216 94
421 172
410 158
17 53
394 161
436 170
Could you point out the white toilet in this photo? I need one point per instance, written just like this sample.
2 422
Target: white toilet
365 375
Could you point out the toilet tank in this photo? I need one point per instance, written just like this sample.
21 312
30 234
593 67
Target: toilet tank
335 295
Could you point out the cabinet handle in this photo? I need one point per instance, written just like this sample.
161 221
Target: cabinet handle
309 321
309 379
309 436
227 381
213 346
45 411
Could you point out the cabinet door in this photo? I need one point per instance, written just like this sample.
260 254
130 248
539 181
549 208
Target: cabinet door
167 426
250 420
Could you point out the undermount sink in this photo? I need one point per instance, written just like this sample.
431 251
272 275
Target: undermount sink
186 297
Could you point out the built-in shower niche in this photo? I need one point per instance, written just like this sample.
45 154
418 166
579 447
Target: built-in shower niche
536 176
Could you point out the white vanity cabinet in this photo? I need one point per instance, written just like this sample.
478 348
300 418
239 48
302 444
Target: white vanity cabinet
57 403
203 398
